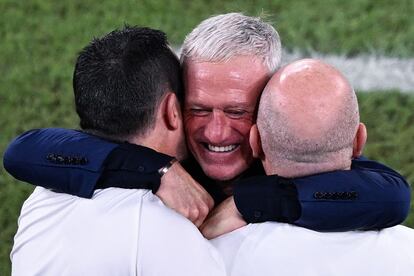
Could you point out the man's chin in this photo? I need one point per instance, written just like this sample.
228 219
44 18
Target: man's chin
222 173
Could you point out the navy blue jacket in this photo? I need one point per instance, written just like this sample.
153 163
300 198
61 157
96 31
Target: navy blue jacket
370 196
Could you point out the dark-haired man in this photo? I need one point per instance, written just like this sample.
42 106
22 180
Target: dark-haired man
127 87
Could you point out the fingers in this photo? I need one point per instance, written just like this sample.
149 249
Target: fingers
209 202
203 203
207 230
200 208
195 217
201 213
191 207
224 219
212 227
217 226
179 191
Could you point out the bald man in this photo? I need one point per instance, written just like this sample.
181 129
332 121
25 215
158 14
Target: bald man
308 123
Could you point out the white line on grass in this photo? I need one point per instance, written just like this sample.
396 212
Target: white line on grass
366 72
369 72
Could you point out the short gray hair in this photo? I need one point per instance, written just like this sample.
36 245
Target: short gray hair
280 142
222 37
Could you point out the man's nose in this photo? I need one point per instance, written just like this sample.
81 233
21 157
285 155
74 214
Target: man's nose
217 129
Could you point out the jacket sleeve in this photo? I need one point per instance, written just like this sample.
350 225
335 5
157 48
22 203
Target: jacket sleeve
369 196
77 163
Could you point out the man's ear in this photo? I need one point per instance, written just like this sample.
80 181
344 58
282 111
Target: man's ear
359 141
255 142
171 111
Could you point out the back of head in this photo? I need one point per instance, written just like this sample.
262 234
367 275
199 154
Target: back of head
120 78
308 118
221 37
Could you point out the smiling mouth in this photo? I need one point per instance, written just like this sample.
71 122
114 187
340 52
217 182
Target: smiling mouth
223 149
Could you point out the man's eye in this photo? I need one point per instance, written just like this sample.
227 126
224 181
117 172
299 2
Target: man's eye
200 111
236 113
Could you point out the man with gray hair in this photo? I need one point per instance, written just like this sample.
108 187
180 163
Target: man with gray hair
222 37
308 123
227 61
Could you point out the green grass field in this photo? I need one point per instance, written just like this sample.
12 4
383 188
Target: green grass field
41 38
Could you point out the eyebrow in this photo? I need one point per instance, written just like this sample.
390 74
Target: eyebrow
243 107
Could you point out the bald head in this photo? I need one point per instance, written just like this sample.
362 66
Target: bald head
308 118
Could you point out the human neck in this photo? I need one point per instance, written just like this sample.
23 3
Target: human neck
152 140
291 169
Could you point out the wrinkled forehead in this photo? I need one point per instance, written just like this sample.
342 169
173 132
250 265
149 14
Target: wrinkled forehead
242 76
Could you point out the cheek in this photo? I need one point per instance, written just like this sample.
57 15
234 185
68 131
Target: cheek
242 128
192 125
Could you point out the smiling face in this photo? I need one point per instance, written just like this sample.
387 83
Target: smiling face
220 106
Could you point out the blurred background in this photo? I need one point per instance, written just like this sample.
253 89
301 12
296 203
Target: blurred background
371 40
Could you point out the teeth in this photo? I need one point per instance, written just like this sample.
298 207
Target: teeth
221 149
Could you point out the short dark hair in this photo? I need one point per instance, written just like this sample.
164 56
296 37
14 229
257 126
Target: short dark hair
120 78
